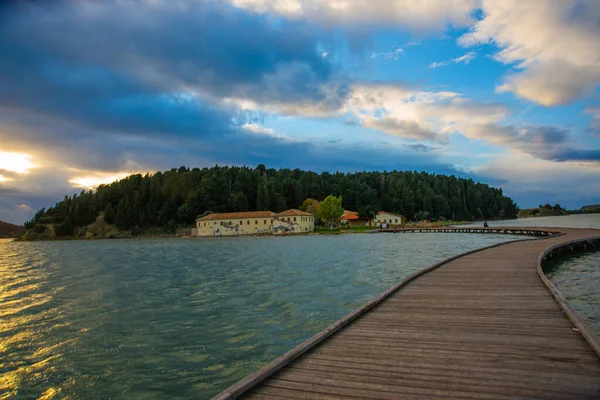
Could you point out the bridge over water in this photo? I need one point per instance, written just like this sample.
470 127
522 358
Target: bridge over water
486 324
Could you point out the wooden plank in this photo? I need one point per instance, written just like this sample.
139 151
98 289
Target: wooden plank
482 353
583 368
437 368
574 381
351 339
383 390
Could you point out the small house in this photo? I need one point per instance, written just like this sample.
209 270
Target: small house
352 219
389 219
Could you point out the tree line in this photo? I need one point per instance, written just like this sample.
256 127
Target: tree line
175 198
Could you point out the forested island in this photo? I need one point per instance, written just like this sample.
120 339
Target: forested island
166 201
547 210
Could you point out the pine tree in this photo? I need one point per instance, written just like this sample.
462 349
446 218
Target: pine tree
299 195
262 197
109 214
240 203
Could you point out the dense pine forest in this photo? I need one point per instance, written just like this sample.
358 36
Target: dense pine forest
177 197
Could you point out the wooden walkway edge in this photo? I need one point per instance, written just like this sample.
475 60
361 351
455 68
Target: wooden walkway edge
486 310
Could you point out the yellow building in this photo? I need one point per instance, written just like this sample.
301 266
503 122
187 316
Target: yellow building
293 221
389 219
255 223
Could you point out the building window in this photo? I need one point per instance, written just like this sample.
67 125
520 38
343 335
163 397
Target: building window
288 219
294 219
396 220
229 222
221 223
265 222
255 222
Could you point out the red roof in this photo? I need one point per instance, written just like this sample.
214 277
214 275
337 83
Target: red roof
238 215
293 213
349 215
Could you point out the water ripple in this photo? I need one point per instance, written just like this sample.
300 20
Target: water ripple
577 277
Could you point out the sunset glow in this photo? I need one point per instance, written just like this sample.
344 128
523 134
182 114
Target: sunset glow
97 179
15 162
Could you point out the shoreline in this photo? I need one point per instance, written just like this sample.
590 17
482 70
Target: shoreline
336 231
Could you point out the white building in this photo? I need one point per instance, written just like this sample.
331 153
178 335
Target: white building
255 223
389 219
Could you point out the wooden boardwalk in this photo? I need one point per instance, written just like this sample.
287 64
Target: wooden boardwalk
481 326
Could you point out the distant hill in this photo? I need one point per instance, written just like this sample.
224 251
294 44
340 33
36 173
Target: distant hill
591 207
550 211
542 211
9 230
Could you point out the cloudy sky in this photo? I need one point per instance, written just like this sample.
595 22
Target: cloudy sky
503 91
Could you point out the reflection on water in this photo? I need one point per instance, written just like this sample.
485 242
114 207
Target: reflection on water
28 318
173 318
577 277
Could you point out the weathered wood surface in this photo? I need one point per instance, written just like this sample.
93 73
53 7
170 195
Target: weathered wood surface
482 326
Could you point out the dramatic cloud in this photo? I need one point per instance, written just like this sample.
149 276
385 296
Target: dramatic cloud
328 99
421 115
543 142
121 60
420 15
464 59
554 45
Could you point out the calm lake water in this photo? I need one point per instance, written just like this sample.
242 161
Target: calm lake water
175 318
577 277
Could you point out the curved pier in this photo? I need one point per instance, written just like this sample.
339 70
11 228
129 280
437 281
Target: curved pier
486 324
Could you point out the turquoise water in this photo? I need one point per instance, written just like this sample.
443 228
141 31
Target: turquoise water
184 318
577 277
